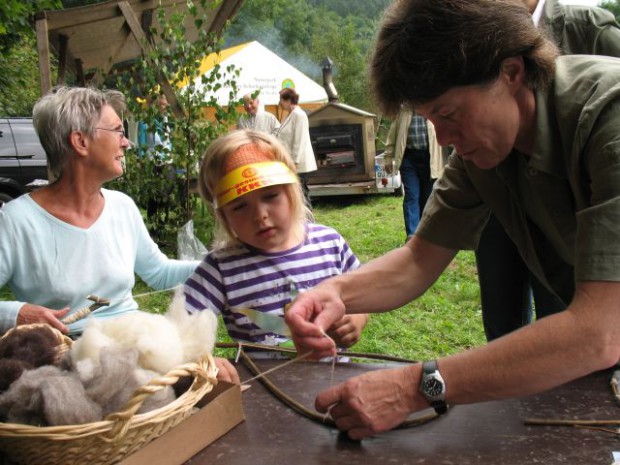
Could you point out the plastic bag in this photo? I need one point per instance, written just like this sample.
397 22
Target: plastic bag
189 246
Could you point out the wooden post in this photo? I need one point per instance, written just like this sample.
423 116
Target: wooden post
43 49
62 59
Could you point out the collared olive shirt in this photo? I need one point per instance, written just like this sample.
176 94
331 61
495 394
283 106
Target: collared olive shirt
561 205
578 29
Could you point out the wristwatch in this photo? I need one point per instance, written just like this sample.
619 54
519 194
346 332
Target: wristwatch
433 387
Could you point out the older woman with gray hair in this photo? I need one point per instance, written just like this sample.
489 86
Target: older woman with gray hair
73 238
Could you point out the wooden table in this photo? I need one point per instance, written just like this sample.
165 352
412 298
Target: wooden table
486 433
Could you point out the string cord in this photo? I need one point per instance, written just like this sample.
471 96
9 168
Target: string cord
145 294
282 365
297 406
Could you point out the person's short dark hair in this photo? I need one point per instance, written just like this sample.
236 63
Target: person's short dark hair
290 95
426 47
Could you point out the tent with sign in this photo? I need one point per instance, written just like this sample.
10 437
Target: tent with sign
261 69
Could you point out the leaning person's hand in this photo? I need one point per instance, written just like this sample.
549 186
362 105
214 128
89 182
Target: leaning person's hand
226 371
348 330
30 313
371 403
309 313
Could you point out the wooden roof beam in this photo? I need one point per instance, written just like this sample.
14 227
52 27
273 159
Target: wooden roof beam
43 50
136 29
59 19
100 74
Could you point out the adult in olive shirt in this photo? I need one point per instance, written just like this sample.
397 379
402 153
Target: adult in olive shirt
537 143
507 287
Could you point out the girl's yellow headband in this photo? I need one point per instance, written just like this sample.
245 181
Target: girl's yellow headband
251 177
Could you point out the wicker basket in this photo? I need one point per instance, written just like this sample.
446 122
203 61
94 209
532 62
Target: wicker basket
120 434
63 342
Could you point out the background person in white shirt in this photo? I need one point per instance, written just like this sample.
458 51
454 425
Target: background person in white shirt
294 133
256 118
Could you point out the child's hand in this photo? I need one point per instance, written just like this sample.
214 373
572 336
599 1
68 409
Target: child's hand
227 372
348 330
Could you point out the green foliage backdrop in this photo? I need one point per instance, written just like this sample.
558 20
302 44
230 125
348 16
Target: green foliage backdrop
613 6
165 176
302 32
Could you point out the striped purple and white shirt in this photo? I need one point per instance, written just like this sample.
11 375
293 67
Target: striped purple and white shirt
230 280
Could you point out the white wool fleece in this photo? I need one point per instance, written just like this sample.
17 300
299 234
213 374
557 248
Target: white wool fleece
197 330
155 336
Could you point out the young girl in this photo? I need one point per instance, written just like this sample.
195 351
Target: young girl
266 247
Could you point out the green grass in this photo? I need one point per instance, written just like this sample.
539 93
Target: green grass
445 320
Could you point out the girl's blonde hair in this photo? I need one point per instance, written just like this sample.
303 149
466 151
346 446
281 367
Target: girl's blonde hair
214 165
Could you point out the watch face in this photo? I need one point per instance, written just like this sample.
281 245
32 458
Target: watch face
433 387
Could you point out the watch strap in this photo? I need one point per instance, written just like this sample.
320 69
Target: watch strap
440 407
430 367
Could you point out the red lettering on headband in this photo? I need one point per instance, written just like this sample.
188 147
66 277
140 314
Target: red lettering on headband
245 182
250 187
